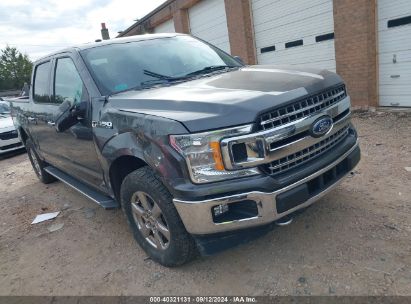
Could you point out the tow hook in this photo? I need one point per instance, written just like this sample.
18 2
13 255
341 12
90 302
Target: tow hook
284 221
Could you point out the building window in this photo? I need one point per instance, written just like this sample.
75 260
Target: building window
324 37
268 49
399 21
294 43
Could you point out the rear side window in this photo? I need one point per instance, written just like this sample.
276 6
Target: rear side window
41 83
68 85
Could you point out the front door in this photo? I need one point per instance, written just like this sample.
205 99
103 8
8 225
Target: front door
73 150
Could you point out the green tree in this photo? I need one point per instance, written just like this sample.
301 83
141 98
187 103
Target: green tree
15 69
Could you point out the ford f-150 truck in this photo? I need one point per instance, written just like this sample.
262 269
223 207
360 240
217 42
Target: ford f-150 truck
200 151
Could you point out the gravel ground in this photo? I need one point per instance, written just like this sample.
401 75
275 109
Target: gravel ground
355 241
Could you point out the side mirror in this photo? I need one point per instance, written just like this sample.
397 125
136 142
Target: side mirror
70 115
239 59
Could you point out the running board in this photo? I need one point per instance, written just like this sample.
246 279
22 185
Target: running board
103 200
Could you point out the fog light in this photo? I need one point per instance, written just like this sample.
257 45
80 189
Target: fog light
220 209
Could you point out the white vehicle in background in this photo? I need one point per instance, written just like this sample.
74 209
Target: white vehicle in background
9 138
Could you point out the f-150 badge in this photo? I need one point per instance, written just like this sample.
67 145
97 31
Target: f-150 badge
102 124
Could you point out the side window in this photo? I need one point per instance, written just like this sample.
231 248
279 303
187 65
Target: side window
41 83
67 83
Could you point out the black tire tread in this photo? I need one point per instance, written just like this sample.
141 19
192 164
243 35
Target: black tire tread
184 245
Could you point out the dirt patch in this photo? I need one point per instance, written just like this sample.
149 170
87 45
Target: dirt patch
355 241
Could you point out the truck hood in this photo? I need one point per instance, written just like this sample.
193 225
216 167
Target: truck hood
226 99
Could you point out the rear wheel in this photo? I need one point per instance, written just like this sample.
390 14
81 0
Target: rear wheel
155 222
38 165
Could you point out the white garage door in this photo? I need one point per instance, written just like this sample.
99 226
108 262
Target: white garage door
297 32
166 27
394 30
208 21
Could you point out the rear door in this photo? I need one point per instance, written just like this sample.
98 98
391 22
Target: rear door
42 108
73 150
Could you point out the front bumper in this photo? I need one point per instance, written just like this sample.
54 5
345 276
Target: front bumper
9 144
197 216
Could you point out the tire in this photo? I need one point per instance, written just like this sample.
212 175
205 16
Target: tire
38 165
150 213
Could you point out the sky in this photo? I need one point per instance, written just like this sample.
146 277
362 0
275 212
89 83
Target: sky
39 27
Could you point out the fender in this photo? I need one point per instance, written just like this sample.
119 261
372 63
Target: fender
153 151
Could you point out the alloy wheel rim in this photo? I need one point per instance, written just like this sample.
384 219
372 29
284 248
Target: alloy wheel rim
150 220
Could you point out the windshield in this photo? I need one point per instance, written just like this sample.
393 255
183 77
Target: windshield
4 108
119 67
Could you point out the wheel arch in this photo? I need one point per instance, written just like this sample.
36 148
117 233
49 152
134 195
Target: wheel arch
120 168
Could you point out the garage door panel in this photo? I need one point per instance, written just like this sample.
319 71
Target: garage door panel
383 27
321 63
313 61
395 100
284 8
300 55
383 24
306 51
324 64
215 39
397 89
282 21
166 27
211 29
201 23
295 31
388 81
208 21
308 42
403 69
395 40
392 9
306 17
290 19
394 53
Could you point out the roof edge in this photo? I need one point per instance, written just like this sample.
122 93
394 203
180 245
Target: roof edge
145 18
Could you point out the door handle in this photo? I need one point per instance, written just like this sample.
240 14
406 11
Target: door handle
395 76
51 123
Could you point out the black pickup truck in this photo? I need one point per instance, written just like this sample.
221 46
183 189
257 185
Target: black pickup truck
200 151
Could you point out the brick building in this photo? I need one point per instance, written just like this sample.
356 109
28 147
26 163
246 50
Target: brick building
368 42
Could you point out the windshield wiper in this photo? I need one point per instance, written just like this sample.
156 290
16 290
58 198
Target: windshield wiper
210 69
152 82
161 76
165 79
160 79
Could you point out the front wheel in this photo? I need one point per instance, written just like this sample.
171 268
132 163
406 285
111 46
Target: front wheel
155 222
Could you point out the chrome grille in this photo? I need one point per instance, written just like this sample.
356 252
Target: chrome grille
305 155
9 135
302 108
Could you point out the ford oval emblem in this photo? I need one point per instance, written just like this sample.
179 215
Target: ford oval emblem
321 126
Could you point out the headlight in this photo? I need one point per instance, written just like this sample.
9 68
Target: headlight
203 154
